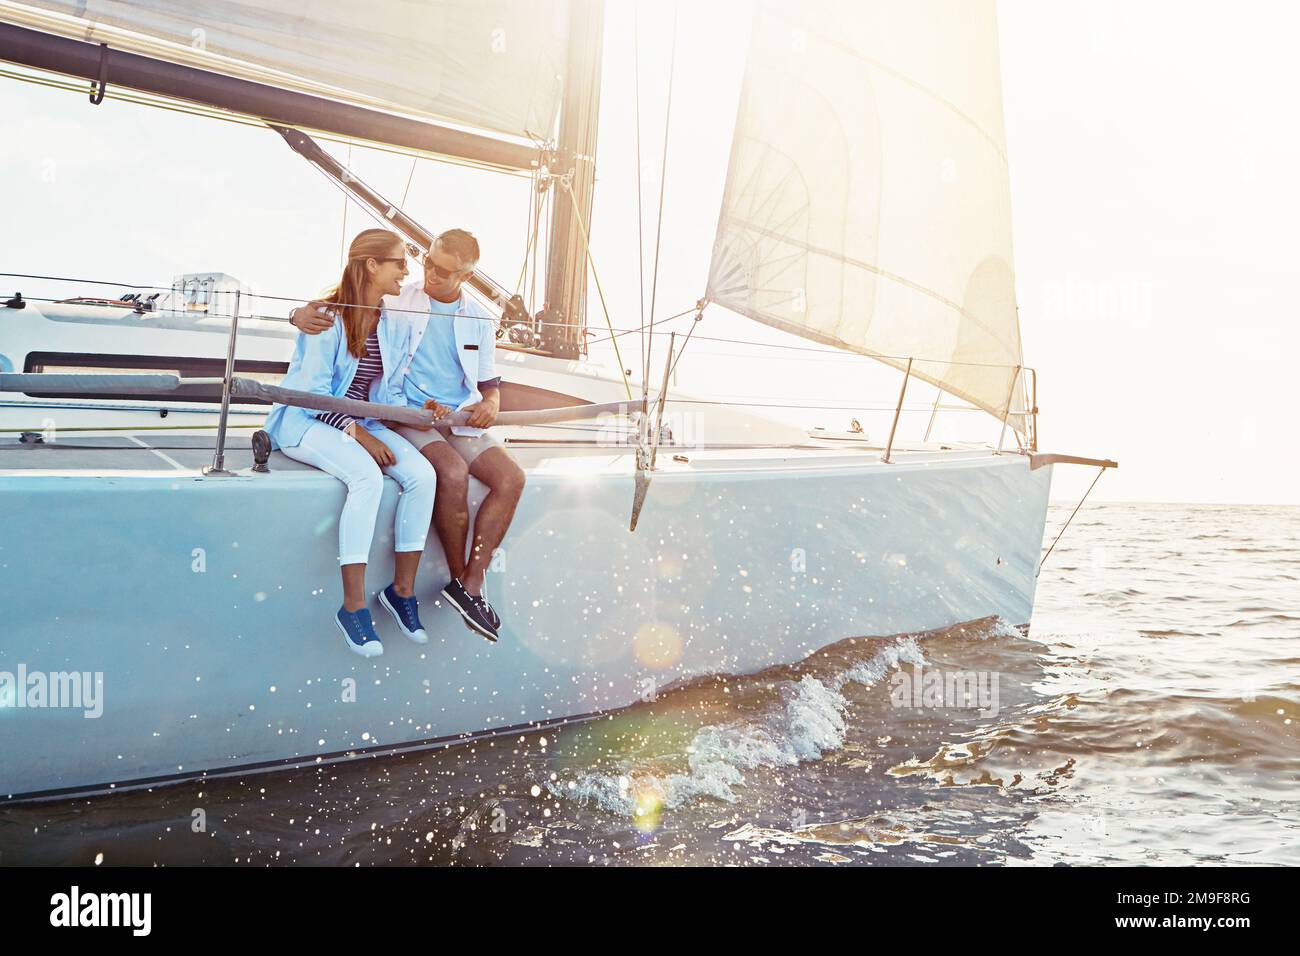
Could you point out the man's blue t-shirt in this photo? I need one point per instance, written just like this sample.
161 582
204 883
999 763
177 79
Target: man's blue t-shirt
435 370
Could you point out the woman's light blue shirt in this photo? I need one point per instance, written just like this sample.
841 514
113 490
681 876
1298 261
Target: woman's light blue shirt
323 365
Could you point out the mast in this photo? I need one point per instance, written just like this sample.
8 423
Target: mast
574 162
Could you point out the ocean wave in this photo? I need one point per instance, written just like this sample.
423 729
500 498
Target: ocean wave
808 722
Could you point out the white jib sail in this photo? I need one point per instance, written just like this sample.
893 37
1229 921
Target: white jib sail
493 65
867 202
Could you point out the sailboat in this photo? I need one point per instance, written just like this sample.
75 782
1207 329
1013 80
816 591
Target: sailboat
164 600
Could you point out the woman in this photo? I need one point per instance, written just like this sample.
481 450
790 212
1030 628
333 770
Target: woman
356 358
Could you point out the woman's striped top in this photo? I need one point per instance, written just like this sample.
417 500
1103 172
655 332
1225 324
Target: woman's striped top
367 369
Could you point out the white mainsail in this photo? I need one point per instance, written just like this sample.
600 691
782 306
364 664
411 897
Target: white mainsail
867 202
494 65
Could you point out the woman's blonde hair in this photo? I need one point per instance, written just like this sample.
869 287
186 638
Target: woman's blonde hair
368 244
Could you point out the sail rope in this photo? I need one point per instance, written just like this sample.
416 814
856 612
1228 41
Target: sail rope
528 237
588 259
536 197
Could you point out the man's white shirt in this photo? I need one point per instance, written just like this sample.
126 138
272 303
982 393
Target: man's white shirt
474 329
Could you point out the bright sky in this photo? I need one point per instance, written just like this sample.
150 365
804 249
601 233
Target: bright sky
1153 154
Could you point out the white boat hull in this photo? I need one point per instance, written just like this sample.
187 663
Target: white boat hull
207 604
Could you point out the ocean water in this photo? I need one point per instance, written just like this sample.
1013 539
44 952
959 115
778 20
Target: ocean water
1149 717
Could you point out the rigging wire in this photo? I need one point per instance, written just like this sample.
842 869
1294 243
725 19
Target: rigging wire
531 234
699 314
343 233
1101 471
129 304
619 333
589 260
410 176
543 199
373 214
528 236
663 178
840 354
549 231
640 183
383 224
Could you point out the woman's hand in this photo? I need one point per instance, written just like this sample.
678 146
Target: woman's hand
381 453
439 411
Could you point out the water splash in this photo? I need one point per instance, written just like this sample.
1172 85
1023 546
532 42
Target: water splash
808 722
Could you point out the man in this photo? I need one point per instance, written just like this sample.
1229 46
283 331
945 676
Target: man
451 365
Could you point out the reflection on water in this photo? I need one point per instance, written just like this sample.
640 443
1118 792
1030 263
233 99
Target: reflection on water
1150 717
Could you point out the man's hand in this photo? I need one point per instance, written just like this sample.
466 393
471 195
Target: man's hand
311 318
381 453
484 414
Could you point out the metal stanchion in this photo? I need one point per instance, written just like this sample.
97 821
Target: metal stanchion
218 466
889 448
1015 378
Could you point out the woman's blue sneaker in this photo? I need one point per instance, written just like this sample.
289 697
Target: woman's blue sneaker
359 631
406 612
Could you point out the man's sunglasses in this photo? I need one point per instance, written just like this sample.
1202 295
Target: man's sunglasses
419 255
442 273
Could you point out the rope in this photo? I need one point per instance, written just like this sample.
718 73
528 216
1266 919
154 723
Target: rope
534 223
528 237
586 247
1100 472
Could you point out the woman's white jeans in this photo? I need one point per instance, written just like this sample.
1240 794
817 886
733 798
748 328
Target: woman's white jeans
342 456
